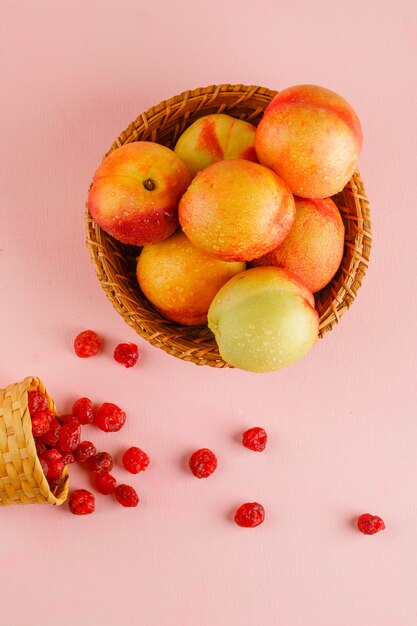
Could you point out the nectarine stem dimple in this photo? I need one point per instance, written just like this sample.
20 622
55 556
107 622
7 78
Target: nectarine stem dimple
149 184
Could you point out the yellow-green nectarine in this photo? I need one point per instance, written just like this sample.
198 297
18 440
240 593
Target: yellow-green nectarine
263 319
213 138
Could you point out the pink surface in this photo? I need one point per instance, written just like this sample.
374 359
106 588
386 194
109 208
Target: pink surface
342 422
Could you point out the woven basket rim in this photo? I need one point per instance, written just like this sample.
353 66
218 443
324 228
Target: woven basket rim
33 383
99 243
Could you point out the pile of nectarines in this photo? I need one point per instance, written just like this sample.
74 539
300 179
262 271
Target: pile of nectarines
240 195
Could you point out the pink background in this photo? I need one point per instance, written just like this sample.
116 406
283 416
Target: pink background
342 422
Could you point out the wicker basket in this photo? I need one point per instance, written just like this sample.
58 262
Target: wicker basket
115 263
21 477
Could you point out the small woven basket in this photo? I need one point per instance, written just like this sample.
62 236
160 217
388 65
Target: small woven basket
115 263
22 480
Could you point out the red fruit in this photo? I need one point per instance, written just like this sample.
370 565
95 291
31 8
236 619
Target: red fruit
40 447
255 439
82 502
250 514
50 414
68 417
40 424
126 495
55 470
110 417
53 484
51 438
126 354
85 451
44 466
83 411
51 456
87 344
203 463
105 483
68 458
37 401
55 464
69 436
370 524
135 460
101 462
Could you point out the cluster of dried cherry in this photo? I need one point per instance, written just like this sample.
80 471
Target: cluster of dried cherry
58 443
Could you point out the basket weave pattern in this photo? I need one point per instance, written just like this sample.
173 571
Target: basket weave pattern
115 263
21 477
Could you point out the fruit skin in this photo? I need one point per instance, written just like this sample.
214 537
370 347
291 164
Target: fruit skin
135 460
51 438
82 502
55 464
87 344
180 280
101 462
213 138
40 424
203 463
237 210
83 411
126 496
312 138
135 193
68 458
86 450
250 515
255 439
105 483
69 436
263 320
313 249
37 401
126 354
370 524
110 417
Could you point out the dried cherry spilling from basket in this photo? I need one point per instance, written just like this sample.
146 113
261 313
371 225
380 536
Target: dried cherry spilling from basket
37 401
126 354
85 451
135 460
69 436
126 496
370 524
82 502
105 483
51 438
40 423
110 417
202 463
101 462
83 411
255 439
87 344
250 514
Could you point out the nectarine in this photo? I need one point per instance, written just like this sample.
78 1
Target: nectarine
213 138
236 210
135 192
180 280
263 319
313 249
312 138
